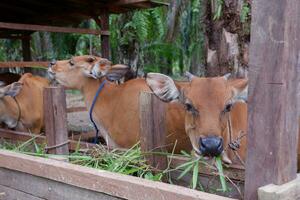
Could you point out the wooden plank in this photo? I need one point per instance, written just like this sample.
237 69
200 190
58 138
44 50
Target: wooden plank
23 64
41 188
117 185
7 193
287 191
55 117
22 136
76 109
152 128
274 82
56 29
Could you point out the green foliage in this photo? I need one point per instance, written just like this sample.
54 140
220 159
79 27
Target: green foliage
137 38
245 12
219 7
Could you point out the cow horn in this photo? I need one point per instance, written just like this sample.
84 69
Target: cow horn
189 75
227 76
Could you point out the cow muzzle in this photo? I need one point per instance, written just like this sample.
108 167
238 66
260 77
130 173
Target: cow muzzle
211 146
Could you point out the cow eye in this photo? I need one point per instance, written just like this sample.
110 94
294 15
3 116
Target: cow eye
190 108
71 62
228 108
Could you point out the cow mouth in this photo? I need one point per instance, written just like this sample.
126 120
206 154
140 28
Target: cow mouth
224 156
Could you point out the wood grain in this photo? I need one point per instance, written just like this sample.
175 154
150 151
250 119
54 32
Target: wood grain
274 74
41 188
55 117
98 180
104 25
152 128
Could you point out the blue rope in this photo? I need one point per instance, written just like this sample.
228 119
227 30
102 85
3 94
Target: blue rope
91 110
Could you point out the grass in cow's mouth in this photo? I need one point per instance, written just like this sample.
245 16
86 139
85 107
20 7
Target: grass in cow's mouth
193 165
129 162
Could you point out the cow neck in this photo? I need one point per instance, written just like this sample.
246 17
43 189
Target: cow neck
90 88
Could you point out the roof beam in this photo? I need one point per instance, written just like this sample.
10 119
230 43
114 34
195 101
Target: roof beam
31 27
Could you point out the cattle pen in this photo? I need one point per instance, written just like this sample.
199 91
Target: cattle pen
271 167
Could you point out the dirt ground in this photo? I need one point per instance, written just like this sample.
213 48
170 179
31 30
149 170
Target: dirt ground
78 121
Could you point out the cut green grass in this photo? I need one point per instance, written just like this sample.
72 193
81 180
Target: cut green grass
129 162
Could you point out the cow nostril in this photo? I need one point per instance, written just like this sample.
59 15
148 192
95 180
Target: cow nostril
53 62
211 146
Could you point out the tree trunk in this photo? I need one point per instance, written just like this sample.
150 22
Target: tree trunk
227 37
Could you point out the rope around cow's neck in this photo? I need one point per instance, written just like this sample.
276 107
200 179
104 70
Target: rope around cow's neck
91 110
19 111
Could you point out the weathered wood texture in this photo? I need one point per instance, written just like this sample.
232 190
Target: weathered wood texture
32 27
55 117
103 22
7 193
274 82
23 64
287 191
113 184
34 187
152 128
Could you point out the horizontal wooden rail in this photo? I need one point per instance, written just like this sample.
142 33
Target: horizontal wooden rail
24 64
116 185
22 136
76 109
32 27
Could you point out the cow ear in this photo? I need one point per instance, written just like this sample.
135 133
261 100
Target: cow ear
11 90
240 89
163 87
116 72
101 68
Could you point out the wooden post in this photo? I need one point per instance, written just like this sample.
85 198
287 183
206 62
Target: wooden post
104 24
26 50
56 120
274 76
152 128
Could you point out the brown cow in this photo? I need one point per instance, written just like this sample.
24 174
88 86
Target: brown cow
21 103
197 115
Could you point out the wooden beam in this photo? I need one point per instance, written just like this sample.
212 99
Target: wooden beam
31 27
103 22
55 117
152 128
76 109
23 64
26 51
22 136
274 77
114 184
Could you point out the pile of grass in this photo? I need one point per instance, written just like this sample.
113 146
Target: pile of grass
128 162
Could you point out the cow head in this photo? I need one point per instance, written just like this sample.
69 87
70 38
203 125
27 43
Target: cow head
207 102
72 73
7 115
